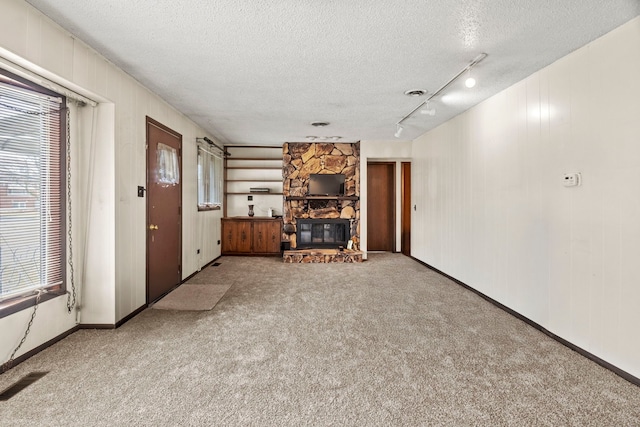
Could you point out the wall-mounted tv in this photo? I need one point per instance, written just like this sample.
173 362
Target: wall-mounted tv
326 184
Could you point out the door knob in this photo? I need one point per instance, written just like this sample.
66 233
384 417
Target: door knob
153 227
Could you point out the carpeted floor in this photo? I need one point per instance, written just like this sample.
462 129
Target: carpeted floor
383 343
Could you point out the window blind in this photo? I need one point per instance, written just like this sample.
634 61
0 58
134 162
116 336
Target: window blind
31 196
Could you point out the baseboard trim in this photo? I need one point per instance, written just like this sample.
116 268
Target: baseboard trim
190 276
96 326
39 348
103 326
207 264
621 373
131 315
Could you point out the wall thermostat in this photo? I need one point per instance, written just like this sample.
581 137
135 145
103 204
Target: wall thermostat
571 179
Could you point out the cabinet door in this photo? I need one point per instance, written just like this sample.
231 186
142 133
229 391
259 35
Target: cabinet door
266 237
236 236
274 237
229 231
260 231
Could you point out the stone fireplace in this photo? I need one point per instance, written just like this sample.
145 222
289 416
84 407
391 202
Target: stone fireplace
319 219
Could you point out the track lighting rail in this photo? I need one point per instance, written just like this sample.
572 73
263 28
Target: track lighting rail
469 66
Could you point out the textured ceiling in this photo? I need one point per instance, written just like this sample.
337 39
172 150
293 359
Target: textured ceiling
259 71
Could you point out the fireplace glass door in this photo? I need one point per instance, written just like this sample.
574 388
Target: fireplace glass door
322 233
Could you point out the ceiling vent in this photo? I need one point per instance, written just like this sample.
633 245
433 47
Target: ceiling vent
415 92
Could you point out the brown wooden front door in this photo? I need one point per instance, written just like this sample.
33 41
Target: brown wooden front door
164 210
406 208
381 206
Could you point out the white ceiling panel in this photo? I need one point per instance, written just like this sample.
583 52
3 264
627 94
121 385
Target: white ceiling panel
258 72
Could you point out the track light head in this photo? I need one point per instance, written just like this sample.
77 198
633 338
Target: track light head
399 130
428 111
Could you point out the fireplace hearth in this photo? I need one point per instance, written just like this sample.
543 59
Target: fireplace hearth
322 233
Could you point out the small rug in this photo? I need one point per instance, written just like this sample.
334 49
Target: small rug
192 297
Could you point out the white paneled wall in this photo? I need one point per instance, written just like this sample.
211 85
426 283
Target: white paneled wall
115 283
493 212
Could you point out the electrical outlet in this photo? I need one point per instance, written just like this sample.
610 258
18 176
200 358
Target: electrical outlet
249 198
218 241
198 251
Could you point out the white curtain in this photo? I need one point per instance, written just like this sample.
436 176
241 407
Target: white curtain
83 161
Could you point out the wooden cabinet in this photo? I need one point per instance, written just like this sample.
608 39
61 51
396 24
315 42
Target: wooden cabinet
251 236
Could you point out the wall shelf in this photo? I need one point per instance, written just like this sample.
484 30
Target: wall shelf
252 158
322 198
254 194
256 167
254 180
252 166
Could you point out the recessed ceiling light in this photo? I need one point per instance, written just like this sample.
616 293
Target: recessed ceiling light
319 124
415 92
323 138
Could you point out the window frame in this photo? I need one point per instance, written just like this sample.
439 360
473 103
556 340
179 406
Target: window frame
21 302
208 186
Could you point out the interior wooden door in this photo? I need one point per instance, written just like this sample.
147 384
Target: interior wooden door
164 210
381 206
406 209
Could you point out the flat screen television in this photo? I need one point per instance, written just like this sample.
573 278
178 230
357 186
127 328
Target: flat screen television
326 184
